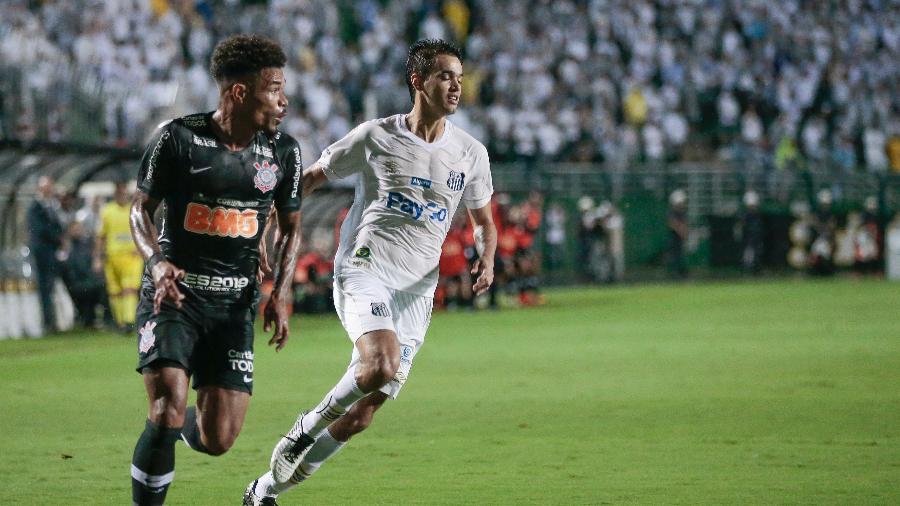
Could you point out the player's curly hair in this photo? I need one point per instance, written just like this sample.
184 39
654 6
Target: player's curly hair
240 55
421 59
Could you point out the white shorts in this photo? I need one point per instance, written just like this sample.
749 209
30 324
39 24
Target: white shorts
364 304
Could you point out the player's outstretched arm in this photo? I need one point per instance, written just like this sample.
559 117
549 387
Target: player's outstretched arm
313 177
143 231
486 244
286 250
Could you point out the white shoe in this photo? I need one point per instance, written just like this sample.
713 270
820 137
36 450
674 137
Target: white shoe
251 499
289 452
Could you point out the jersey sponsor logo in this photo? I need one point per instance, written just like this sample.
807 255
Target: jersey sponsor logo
417 210
262 151
265 178
418 181
197 170
241 361
148 339
221 221
194 120
456 181
205 142
207 283
380 309
298 171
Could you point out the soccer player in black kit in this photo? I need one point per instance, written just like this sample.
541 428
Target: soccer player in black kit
220 174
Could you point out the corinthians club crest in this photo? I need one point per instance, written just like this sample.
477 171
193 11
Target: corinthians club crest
148 339
265 177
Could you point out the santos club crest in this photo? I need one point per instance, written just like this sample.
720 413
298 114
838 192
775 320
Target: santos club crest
265 177
456 181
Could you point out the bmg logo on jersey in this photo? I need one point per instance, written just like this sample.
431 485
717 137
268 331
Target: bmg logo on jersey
431 210
221 221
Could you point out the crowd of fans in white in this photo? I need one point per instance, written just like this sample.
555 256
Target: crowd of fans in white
563 80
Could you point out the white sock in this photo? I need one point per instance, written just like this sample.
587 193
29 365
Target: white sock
334 405
323 449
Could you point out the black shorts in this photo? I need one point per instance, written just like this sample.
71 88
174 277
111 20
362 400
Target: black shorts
214 347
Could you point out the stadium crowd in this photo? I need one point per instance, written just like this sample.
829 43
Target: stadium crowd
566 80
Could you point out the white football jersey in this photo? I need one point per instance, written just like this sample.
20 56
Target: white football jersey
406 195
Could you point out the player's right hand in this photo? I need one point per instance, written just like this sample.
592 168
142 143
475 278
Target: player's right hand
275 313
165 279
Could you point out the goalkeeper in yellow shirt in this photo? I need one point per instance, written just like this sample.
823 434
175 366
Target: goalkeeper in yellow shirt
116 255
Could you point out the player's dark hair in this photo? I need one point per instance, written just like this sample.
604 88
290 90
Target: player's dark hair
241 55
421 59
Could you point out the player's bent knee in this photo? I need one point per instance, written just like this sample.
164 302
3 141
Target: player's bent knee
166 412
218 447
378 372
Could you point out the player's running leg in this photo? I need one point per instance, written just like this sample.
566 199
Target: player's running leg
214 423
379 359
357 419
153 463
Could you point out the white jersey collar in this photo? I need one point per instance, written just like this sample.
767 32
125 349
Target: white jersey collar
401 126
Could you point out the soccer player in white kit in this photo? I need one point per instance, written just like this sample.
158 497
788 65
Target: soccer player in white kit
414 169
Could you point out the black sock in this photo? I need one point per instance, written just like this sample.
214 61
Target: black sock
191 431
153 464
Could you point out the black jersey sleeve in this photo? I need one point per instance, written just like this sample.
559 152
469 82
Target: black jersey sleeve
289 193
158 164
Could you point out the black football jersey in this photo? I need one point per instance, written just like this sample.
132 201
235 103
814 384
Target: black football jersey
216 204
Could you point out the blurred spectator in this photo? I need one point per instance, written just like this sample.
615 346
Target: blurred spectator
313 277
117 258
677 223
84 285
869 239
555 237
455 280
794 82
752 233
824 227
46 234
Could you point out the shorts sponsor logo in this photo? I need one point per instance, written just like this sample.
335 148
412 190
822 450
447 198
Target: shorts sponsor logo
204 141
417 210
248 379
456 181
380 309
406 353
215 283
418 181
265 178
148 339
241 361
221 221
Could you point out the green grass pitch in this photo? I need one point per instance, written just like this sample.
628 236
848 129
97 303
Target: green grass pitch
776 392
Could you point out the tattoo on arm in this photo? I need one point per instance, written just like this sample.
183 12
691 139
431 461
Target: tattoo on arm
287 249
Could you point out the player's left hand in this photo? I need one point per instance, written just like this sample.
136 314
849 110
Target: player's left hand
275 313
485 278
